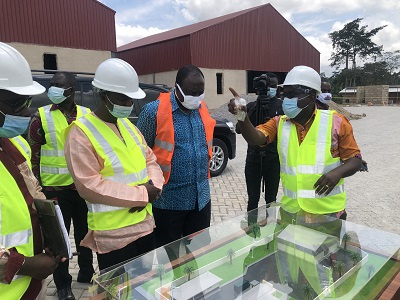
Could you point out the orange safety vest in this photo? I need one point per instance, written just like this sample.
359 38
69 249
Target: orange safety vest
164 143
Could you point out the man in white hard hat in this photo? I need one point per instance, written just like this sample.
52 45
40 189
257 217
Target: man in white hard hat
312 144
46 139
113 169
23 265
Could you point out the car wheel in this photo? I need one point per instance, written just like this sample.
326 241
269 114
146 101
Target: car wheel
219 157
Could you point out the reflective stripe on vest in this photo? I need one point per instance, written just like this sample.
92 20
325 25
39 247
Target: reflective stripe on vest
302 165
22 145
164 143
15 230
15 239
123 162
53 167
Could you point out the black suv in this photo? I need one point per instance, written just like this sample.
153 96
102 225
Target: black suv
224 142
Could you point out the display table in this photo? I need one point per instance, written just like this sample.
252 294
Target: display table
266 254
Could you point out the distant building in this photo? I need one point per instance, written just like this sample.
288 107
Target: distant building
376 94
73 35
231 50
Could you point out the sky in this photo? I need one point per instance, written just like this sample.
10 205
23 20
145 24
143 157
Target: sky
314 19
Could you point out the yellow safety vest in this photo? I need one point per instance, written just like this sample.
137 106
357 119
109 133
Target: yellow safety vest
302 165
123 162
22 145
15 230
53 167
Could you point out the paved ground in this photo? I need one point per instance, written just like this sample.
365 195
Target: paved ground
373 197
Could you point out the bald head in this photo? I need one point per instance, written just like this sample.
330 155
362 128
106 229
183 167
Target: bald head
325 87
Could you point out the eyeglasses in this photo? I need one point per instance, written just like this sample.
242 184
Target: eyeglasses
299 90
20 104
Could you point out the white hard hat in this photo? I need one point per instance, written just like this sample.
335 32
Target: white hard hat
15 73
305 76
116 75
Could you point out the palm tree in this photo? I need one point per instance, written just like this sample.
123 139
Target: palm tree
231 253
346 239
307 292
339 267
355 257
160 270
188 270
255 230
371 270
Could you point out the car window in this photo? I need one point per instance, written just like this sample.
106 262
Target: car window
151 95
41 99
89 98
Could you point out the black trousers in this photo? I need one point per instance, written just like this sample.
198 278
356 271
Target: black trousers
74 208
172 225
257 169
136 248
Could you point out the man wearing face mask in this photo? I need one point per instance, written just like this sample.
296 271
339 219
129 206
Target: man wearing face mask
262 163
325 97
180 129
23 265
316 147
113 169
49 166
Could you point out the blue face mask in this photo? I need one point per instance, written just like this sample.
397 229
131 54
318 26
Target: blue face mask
120 111
290 108
56 94
13 125
272 92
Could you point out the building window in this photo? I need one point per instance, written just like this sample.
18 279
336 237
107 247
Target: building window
49 62
220 88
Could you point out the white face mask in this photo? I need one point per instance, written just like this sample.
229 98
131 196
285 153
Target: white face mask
190 102
119 111
325 98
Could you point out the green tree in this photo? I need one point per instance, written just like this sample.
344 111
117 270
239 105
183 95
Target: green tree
339 267
392 59
160 270
231 253
375 73
371 270
353 41
346 239
188 270
255 231
307 292
355 258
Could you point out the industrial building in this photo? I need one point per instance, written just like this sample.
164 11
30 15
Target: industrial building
71 35
230 50
372 94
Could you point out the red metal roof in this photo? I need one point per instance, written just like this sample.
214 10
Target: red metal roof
181 31
82 24
257 39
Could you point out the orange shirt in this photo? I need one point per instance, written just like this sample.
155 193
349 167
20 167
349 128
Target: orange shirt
344 144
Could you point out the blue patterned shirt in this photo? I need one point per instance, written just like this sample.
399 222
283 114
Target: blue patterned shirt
188 181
